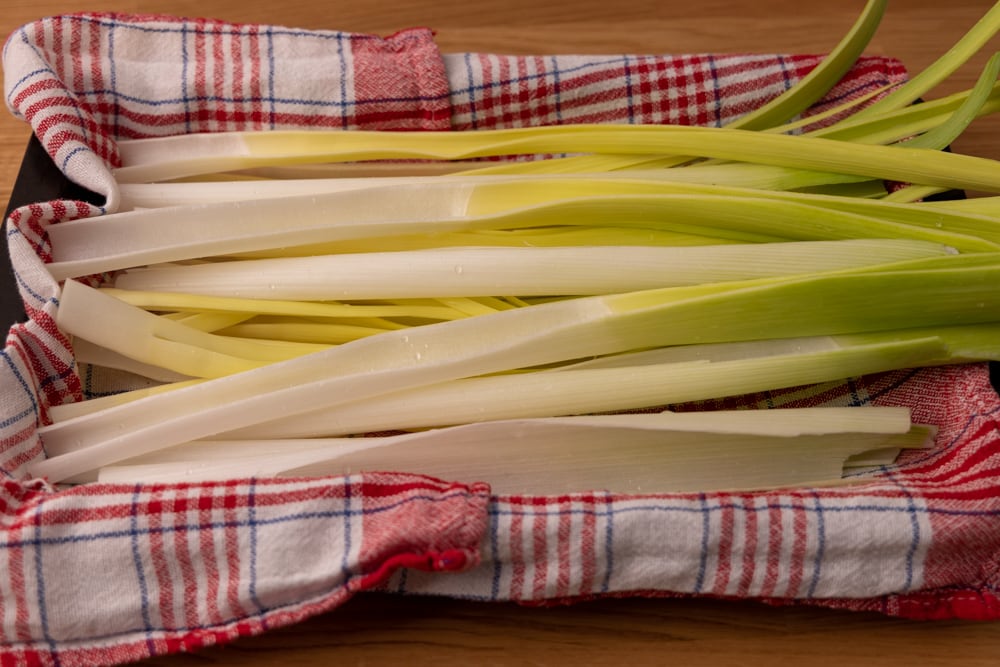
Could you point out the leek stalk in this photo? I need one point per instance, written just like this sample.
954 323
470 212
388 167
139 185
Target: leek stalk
626 454
155 159
454 272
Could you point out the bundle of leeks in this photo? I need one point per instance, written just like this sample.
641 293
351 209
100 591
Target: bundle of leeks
497 320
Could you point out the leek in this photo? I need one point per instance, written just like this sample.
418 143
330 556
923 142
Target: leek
372 314
208 321
822 78
918 86
160 342
941 136
625 454
156 159
301 332
912 193
522 271
756 176
84 247
907 123
544 237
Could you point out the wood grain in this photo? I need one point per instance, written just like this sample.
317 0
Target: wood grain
376 630
384 630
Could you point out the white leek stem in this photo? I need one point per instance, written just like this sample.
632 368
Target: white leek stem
452 272
627 453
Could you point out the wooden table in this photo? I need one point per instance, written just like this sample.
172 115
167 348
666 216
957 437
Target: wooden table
374 630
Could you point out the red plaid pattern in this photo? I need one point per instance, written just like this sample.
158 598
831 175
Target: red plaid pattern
174 568
490 91
103 574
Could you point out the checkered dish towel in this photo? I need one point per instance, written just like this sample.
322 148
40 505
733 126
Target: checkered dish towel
101 574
